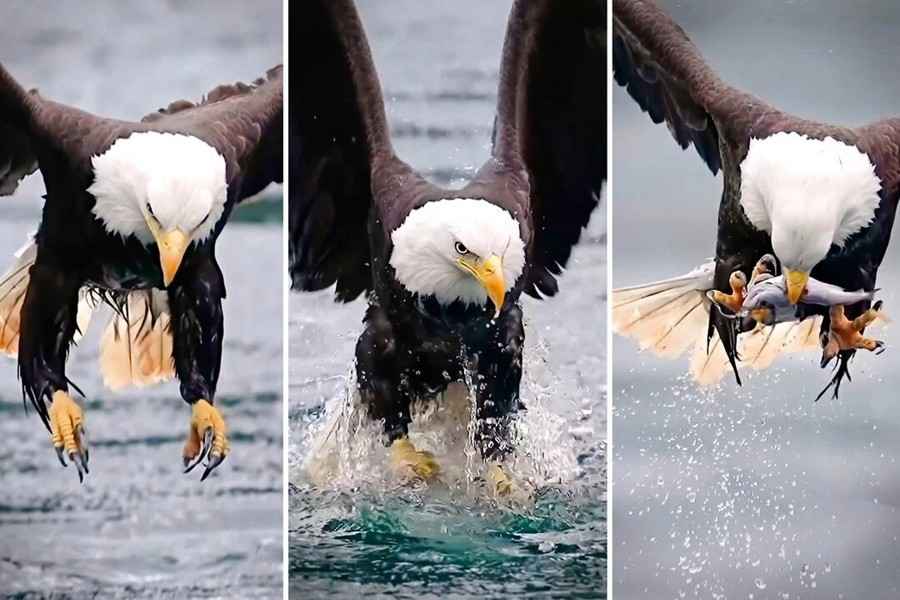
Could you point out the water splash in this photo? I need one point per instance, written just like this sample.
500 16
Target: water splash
343 449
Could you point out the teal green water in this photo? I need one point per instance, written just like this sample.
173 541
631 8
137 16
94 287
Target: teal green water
354 530
417 545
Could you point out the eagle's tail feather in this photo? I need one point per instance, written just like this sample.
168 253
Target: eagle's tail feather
667 317
136 348
670 318
13 285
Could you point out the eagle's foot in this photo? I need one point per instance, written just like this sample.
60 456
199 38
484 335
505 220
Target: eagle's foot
501 484
412 463
67 432
206 438
735 300
845 334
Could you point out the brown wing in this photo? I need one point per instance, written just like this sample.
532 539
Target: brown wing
38 133
243 122
552 121
338 136
17 154
663 71
881 141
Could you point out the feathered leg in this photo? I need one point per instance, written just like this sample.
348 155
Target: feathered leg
499 376
387 397
195 299
48 325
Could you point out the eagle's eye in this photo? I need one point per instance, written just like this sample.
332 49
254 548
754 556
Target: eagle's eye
460 248
150 212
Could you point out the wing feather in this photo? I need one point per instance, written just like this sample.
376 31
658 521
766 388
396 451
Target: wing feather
551 122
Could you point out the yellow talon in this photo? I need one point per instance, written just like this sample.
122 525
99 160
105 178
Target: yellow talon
501 484
407 460
67 431
206 437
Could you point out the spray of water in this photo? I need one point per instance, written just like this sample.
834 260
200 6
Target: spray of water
343 449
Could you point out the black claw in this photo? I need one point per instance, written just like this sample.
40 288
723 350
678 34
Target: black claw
81 438
75 457
81 432
214 461
841 370
190 467
207 443
205 447
59 454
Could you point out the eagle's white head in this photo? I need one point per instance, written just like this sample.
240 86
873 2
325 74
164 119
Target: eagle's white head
459 249
162 188
808 195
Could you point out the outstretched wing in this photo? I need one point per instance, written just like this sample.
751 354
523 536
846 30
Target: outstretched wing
17 154
664 72
243 122
551 120
339 138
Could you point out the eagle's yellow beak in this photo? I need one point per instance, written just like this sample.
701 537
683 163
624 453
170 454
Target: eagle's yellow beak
172 246
489 274
796 284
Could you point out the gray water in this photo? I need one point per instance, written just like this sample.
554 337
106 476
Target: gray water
756 492
138 527
352 532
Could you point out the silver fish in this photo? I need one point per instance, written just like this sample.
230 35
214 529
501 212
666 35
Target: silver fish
771 293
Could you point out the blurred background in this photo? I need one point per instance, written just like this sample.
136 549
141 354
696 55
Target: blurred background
438 64
753 492
138 527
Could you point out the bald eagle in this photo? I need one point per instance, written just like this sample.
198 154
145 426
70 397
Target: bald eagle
131 217
443 270
820 197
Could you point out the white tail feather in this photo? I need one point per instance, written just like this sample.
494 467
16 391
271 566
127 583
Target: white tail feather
709 368
13 286
670 318
138 351
667 317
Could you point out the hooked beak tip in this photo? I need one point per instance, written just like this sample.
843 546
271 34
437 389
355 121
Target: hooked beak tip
490 275
172 246
796 285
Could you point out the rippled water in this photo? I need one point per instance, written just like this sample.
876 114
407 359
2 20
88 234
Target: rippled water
753 492
138 527
353 530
